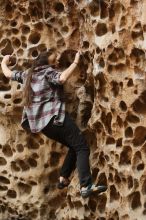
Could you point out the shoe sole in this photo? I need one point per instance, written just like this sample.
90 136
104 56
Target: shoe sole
99 190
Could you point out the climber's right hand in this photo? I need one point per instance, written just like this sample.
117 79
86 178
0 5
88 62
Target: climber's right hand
77 57
6 59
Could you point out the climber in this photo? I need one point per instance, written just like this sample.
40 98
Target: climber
44 111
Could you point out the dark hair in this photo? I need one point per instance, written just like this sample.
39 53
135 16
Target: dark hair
41 60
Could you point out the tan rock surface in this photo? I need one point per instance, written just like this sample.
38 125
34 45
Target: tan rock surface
106 97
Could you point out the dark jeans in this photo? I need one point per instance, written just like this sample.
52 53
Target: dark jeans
78 154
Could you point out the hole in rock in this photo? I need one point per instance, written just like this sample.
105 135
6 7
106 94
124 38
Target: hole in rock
67 58
111 12
23 165
130 83
137 158
144 189
101 160
34 37
13 23
34 53
16 43
86 44
15 31
118 53
114 194
98 50
139 136
94 173
128 132
64 29
24 45
7 96
24 188
35 156
57 201
106 119
53 176
110 140
143 149
4 180
115 88
55 157
8 49
138 26
101 218
14 166
20 148
103 9
17 101
102 180
132 118
35 10
117 179
33 214
58 7
123 106
92 205
5 172
101 62
137 35
3 188
26 206
32 162
134 199
25 29
2 161
26 18
11 194
7 150
32 183
140 166
119 142
125 156
20 52
94 8
31 143
60 42
119 121
101 203
42 47
139 105
12 212
22 9
39 26
137 55
9 7
130 182
123 21
86 113
101 29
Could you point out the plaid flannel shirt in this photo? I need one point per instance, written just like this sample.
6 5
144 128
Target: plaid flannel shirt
47 98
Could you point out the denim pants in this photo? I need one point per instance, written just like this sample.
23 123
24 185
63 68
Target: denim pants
78 151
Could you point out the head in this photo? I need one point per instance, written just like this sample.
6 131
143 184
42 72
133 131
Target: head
46 58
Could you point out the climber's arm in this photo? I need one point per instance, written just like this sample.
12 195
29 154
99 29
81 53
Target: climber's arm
4 65
68 72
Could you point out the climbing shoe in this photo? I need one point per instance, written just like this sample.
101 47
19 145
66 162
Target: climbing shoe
88 190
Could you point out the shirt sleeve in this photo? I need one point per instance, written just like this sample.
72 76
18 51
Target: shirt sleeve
18 76
53 76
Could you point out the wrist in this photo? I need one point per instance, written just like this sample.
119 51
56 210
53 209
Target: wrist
75 62
3 63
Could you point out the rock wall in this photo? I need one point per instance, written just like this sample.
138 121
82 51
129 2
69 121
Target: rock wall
106 96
